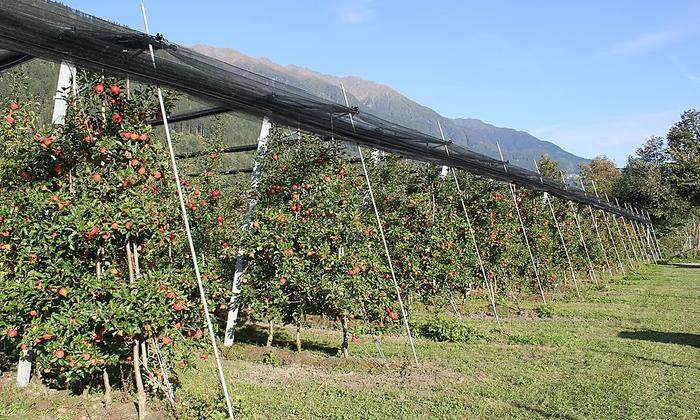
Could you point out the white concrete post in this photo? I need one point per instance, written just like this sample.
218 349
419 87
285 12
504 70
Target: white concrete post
252 200
66 80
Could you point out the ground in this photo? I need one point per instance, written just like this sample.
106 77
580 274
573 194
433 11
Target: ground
630 349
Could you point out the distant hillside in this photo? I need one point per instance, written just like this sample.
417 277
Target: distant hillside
521 147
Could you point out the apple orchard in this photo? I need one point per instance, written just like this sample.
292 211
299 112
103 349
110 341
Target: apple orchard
93 256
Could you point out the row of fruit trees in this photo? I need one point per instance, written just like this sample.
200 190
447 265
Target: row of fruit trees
94 260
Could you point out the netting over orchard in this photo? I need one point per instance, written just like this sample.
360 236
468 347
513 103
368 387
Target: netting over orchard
49 30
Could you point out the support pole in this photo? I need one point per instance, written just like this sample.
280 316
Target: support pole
252 200
522 226
190 241
66 80
633 245
489 289
597 232
647 238
612 237
619 234
386 247
653 232
638 236
591 271
561 236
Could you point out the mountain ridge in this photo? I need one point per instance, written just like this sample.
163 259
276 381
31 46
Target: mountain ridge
520 147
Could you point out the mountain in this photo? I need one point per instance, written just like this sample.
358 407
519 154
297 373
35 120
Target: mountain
521 148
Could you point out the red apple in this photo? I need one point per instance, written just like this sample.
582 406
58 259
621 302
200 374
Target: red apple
59 354
98 88
117 119
12 333
96 177
14 106
114 90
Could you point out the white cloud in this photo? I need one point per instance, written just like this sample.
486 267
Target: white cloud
353 17
651 41
684 27
616 139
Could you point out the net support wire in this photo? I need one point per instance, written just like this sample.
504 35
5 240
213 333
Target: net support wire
190 240
600 238
522 226
384 242
489 287
612 237
591 270
561 236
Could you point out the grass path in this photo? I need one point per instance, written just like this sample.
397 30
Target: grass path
631 350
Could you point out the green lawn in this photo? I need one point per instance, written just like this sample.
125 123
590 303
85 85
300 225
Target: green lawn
629 350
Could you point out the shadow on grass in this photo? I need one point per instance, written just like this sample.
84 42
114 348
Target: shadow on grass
645 359
685 339
540 412
254 334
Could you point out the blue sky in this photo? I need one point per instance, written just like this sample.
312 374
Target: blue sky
594 77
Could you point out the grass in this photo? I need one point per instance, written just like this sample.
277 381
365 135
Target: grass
628 350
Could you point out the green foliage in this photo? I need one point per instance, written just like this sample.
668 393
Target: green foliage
450 330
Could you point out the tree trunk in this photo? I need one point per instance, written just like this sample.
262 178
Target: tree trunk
346 338
140 392
108 388
270 334
298 337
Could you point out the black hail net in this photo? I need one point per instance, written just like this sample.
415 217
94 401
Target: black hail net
49 30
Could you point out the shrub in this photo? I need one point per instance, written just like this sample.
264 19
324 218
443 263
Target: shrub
450 330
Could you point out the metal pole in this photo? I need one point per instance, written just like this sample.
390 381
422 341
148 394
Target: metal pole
619 234
386 247
591 273
561 237
629 238
597 232
612 237
252 200
186 222
489 289
522 226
